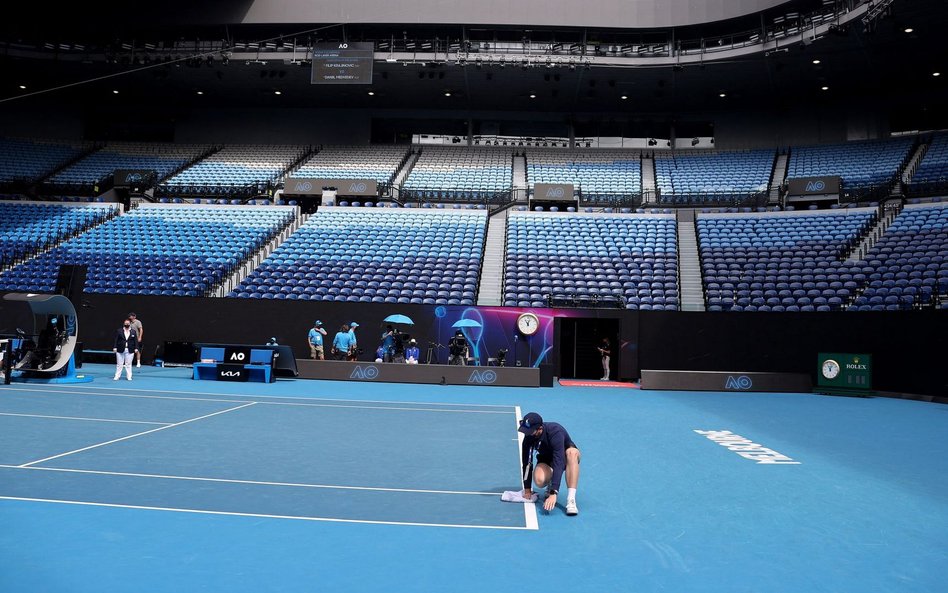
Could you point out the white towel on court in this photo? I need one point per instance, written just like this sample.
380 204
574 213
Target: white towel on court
516 496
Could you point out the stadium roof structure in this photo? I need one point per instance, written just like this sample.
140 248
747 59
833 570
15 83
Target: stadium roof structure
889 60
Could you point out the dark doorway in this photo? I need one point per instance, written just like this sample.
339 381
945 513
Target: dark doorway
579 338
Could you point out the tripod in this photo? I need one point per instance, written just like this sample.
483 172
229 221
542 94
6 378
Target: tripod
432 352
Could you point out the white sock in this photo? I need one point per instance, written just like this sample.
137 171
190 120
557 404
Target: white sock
570 494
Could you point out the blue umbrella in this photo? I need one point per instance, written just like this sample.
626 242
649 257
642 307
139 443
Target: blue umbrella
466 323
399 318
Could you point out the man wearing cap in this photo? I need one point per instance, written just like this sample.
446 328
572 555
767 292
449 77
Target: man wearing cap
137 326
353 342
556 453
315 340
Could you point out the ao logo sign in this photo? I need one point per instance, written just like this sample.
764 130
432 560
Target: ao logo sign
555 192
133 177
238 357
304 186
814 186
357 187
742 383
483 377
364 372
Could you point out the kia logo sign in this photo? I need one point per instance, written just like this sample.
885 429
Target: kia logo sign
815 186
230 373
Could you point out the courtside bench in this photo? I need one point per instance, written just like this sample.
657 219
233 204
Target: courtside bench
234 363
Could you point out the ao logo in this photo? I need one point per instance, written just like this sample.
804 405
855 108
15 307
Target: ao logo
304 186
816 185
364 372
555 192
357 187
483 377
743 382
133 177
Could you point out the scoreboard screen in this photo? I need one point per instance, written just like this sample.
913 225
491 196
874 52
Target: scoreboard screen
342 63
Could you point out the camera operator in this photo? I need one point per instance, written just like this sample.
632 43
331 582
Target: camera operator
388 343
398 349
457 349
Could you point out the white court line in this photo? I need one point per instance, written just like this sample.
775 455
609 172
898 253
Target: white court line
298 404
131 436
235 514
529 508
251 482
81 418
256 396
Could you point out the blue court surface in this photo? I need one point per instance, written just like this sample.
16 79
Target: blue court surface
168 484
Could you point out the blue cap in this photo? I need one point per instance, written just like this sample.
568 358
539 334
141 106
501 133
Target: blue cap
530 423
318 322
353 324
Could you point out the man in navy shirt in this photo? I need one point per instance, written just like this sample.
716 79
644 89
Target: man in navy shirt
556 454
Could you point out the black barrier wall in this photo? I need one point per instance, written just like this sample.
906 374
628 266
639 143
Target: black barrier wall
908 348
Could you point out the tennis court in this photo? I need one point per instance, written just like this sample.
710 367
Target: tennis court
167 484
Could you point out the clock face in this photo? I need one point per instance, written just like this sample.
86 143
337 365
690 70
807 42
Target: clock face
830 369
528 324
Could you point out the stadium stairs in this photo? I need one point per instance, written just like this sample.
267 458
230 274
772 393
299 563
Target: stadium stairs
889 211
520 183
919 153
649 186
777 177
491 286
690 286
404 171
253 262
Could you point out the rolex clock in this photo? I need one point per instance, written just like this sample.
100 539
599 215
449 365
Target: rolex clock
528 324
844 373
830 369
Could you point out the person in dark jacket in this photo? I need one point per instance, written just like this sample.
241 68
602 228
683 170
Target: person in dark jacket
556 454
125 345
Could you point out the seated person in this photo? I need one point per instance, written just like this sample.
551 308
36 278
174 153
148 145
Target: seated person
412 354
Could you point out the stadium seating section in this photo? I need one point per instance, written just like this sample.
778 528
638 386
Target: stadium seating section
31 160
630 259
601 175
354 162
712 178
27 227
909 265
237 166
161 158
862 165
167 250
454 173
933 169
376 255
781 262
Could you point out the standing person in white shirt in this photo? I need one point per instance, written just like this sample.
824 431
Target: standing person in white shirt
124 346
137 326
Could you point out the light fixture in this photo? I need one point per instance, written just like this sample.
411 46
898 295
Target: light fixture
371 93
533 96
624 97
722 95
824 88
816 61
277 92
909 30
23 87
114 92
200 92
447 93
933 74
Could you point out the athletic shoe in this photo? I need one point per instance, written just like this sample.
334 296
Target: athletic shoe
115 378
571 508
139 365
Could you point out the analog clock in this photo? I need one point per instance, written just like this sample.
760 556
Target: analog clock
830 369
528 324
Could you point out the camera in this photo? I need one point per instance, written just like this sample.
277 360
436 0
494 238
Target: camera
457 345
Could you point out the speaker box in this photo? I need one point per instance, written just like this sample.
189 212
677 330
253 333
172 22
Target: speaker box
70 282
